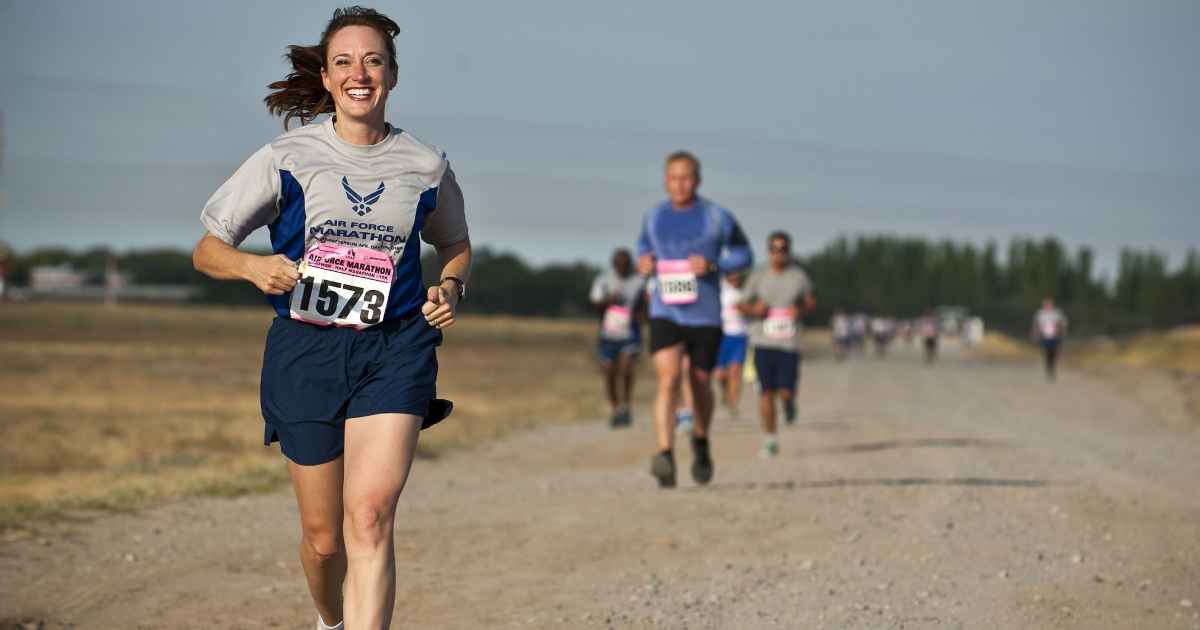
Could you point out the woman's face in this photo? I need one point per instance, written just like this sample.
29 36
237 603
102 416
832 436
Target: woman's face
356 72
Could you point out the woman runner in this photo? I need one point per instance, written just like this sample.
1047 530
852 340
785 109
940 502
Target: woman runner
350 367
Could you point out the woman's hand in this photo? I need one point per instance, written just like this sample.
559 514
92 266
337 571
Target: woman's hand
273 275
439 307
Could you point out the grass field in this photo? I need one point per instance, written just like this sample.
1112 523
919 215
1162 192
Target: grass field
112 408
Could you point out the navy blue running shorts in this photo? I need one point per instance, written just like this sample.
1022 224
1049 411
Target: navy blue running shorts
777 369
314 378
608 351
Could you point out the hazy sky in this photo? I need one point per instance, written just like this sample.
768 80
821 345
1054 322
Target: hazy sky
961 119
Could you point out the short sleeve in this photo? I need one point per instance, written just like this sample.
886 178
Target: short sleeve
598 292
447 224
248 200
806 286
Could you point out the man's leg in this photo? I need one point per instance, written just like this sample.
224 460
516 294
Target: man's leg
766 411
702 400
610 369
666 365
733 387
667 368
625 370
789 383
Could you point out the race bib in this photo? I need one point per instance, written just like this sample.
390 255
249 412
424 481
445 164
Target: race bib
618 323
732 321
779 324
676 282
342 286
1049 328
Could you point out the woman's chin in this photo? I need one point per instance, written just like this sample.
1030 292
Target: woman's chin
357 112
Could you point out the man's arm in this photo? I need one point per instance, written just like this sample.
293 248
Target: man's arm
737 254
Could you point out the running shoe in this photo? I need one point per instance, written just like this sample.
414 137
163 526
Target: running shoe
683 422
662 466
770 448
620 419
789 411
702 465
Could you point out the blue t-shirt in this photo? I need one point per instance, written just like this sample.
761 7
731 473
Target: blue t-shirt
706 229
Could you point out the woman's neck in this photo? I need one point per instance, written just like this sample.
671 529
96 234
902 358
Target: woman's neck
360 132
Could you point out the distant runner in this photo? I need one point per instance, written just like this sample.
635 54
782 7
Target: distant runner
687 241
1049 328
619 296
882 331
930 330
734 342
843 338
858 330
777 297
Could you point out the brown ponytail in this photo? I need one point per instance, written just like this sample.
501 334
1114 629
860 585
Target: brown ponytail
302 95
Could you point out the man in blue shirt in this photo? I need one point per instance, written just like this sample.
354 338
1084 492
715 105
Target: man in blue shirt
687 243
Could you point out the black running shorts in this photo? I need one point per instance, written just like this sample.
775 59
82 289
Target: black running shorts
701 343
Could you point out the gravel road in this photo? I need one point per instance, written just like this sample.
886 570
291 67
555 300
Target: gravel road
966 494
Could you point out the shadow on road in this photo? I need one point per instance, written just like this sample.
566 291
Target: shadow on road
870 447
880 482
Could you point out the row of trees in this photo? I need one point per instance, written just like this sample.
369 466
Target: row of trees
905 276
877 274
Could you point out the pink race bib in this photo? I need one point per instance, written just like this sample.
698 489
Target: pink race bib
618 323
676 282
779 324
342 286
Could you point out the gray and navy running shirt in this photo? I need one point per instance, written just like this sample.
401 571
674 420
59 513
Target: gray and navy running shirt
630 290
777 290
309 186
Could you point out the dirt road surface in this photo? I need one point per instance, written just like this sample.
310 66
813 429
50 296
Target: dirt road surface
966 494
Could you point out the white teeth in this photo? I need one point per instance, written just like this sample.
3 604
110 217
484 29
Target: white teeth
364 93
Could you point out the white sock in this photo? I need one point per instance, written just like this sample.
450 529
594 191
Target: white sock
321 625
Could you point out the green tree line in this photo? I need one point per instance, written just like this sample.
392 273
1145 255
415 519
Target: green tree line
901 276
904 276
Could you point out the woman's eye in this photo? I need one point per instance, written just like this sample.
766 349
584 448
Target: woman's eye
374 61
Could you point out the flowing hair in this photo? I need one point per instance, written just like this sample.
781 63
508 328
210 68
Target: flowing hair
301 94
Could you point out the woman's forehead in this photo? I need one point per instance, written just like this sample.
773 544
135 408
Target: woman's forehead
356 38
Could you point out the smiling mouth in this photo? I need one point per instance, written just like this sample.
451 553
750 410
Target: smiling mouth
359 94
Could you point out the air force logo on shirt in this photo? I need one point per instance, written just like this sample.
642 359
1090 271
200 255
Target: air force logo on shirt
359 204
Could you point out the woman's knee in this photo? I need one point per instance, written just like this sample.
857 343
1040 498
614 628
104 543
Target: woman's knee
322 541
369 522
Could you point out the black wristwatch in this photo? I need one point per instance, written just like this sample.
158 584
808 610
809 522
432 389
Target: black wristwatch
458 282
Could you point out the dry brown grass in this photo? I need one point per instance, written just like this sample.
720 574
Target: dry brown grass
114 408
1159 369
1162 369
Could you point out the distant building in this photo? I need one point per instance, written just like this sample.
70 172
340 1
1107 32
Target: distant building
52 279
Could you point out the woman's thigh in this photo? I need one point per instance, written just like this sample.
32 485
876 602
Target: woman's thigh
378 456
